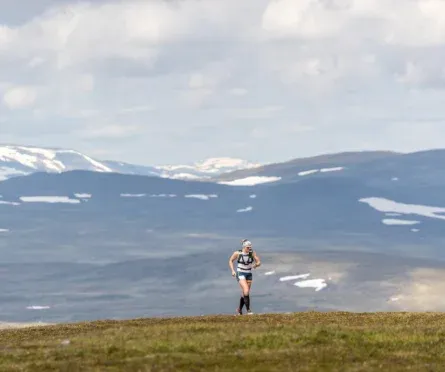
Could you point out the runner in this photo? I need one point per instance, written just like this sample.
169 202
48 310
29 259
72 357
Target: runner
247 260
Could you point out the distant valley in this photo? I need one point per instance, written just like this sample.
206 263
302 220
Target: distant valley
345 231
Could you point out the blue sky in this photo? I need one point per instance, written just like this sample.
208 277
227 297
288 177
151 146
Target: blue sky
266 80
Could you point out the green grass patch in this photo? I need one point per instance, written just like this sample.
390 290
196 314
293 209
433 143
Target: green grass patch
308 341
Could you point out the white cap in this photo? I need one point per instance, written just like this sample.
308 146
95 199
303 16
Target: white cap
247 243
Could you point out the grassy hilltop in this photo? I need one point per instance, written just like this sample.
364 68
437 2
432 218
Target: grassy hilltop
308 341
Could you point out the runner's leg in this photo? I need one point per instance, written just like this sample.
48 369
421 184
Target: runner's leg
249 285
245 288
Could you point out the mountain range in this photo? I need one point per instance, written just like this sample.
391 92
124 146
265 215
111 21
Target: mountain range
370 194
351 231
24 160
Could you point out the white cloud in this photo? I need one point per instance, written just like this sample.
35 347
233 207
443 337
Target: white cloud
303 18
35 62
19 97
110 131
136 109
197 81
255 112
393 21
84 32
262 79
86 83
238 91
195 98
203 84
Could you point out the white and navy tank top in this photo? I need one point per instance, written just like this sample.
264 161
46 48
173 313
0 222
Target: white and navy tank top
245 261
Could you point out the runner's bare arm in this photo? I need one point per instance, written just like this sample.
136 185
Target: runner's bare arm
233 258
257 260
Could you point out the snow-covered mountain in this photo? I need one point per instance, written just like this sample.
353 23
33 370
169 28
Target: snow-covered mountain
23 160
205 169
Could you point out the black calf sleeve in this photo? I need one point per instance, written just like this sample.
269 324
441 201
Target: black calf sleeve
241 302
247 302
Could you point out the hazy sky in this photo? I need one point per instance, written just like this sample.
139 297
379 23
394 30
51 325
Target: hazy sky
171 81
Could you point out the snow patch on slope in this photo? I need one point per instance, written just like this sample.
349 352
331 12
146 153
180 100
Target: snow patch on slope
163 196
201 196
82 196
318 284
322 170
393 221
251 181
8 202
293 277
48 199
247 209
38 307
305 173
183 176
387 205
335 169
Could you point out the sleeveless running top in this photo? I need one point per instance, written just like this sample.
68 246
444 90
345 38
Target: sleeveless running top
245 261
